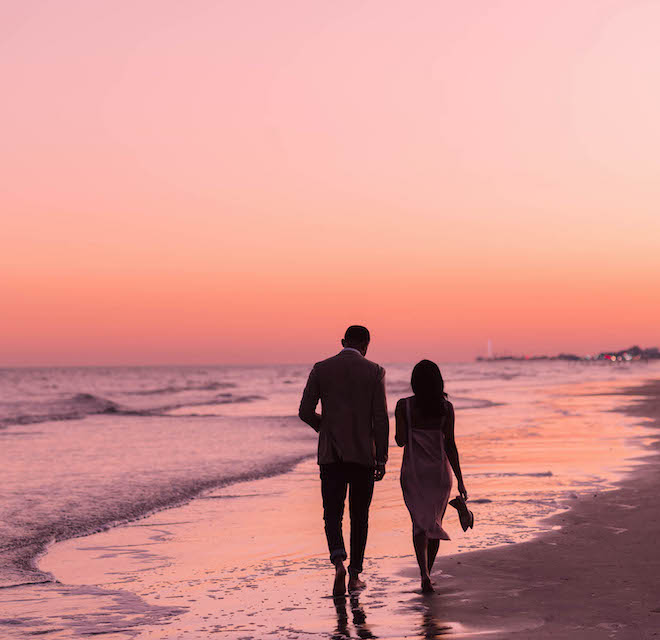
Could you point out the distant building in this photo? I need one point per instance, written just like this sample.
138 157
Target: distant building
625 355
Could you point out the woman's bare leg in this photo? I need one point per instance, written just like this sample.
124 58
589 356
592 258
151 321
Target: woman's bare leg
420 542
433 546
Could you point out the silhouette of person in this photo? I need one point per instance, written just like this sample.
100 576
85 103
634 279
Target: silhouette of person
353 430
425 427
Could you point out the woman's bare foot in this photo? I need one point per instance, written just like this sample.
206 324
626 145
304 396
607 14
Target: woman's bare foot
355 584
427 585
339 588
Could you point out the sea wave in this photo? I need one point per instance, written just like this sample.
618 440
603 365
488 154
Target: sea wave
82 405
210 386
72 408
463 402
510 474
220 400
18 555
460 401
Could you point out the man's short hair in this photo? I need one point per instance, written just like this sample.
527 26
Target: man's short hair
356 334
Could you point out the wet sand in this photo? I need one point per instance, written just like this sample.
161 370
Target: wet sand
248 561
597 577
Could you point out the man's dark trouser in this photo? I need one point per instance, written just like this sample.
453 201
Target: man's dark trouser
335 478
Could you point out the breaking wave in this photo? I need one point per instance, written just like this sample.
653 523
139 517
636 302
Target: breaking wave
18 555
86 404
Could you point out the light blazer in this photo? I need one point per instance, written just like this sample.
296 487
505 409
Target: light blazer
353 425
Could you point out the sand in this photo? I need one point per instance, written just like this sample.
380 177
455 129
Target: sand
214 568
596 577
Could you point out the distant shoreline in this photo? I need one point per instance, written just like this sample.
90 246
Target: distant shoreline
632 354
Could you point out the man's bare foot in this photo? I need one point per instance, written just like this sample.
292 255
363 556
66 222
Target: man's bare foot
355 584
427 585
339 588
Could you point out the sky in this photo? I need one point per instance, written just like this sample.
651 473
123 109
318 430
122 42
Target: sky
238 181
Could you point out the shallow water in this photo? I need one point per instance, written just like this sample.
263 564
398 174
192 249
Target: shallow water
249 560
82 449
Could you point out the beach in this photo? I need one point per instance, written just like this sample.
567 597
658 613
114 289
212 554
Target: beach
205 203
248 559
596 577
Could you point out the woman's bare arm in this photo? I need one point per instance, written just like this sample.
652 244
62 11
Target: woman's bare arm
401 435
452 451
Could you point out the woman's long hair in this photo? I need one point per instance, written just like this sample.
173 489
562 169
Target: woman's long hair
429 389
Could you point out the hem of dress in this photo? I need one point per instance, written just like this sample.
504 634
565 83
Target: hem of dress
431 536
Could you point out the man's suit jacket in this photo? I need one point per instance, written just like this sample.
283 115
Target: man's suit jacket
353 425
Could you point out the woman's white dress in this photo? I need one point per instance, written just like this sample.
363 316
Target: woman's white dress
426 478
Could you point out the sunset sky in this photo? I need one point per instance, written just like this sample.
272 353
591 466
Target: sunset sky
237 181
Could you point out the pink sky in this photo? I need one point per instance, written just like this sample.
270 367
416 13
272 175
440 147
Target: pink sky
238 181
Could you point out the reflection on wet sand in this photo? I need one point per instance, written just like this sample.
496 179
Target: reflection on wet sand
430 627
359 618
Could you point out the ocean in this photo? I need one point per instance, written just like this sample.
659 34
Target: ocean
84 449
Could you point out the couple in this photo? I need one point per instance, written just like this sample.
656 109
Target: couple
353 433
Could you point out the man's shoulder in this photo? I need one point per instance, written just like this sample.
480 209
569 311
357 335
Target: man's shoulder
375 366
326 361
341 359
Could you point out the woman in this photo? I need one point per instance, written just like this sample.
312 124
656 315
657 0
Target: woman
425 427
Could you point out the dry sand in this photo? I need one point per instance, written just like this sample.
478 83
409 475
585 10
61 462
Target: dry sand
216 569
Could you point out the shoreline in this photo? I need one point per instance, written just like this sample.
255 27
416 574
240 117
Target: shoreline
595 577
139 566
28 557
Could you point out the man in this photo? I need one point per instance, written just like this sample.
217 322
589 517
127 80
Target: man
353 430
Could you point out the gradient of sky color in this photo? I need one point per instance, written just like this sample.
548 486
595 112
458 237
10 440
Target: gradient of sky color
236 181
